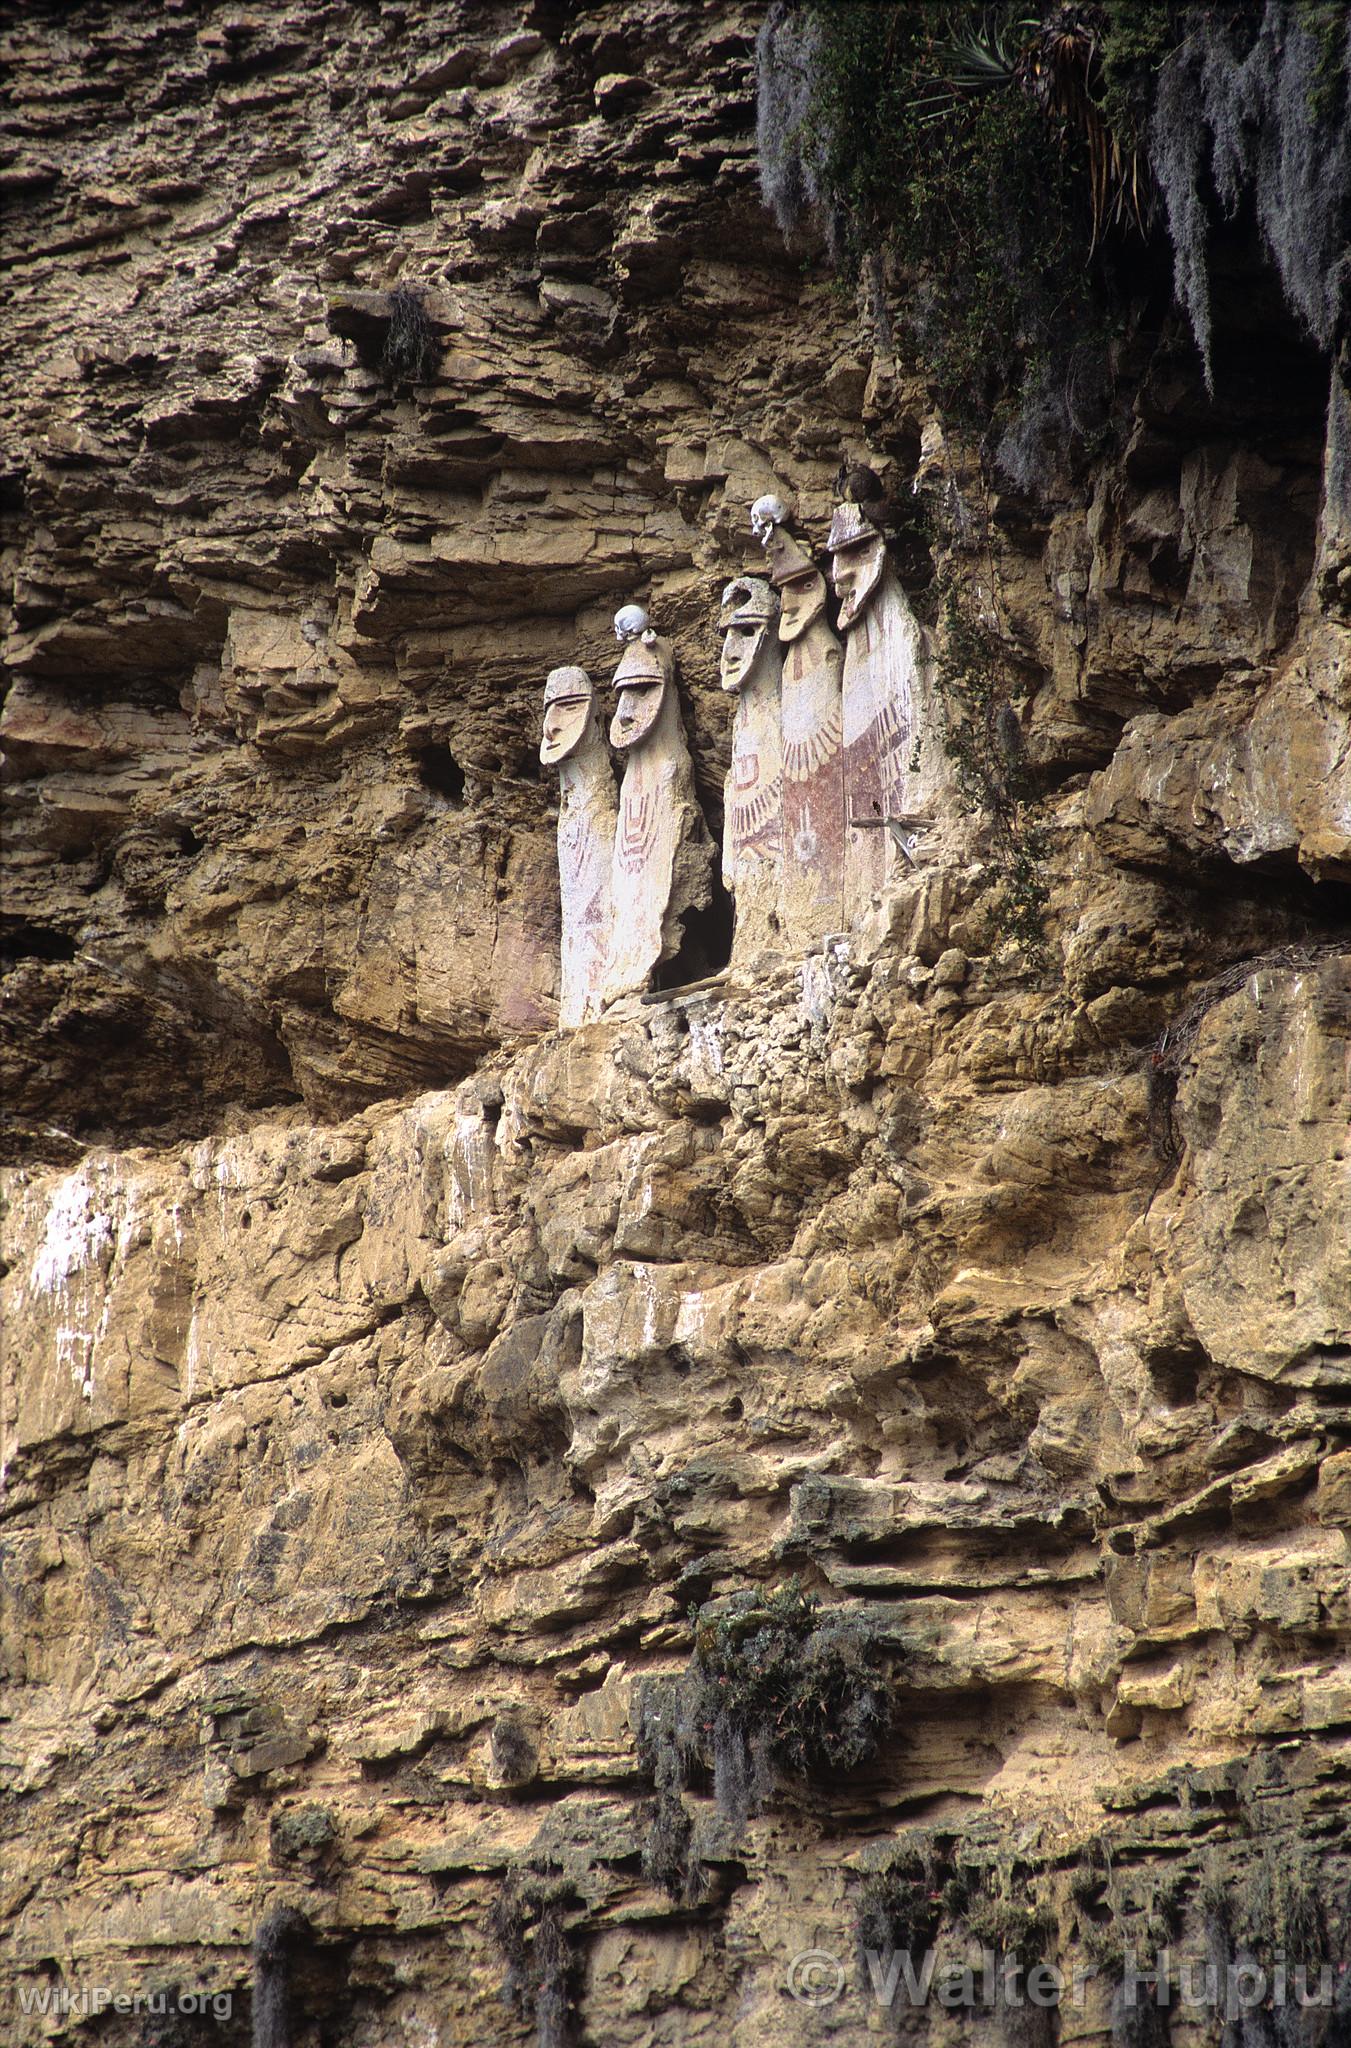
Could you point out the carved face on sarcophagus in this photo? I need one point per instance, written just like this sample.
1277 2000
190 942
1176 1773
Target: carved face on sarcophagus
641 679
859 556
800 584
568 710
803 600
752 845
574 743
749 609
811 739
661 870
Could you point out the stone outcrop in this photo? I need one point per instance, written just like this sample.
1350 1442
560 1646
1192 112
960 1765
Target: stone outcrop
389 1375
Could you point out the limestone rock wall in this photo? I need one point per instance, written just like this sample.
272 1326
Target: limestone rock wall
386 1375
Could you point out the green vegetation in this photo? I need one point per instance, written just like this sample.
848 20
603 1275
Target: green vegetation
994 1893
965 143
899 1908
1114 1906
777 1691
1125 1916
1005 159
964 1889
1272 1908
526 1921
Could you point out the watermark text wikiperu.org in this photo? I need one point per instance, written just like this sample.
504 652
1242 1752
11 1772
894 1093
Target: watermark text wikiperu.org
91 2001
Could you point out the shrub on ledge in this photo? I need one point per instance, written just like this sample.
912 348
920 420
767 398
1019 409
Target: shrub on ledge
779 1691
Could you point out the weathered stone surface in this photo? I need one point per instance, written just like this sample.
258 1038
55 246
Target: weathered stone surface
1249 785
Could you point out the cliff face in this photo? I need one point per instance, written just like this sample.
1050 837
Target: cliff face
387 1374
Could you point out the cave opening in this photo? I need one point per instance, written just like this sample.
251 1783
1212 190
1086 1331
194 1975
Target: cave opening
705 944
439 771
25 941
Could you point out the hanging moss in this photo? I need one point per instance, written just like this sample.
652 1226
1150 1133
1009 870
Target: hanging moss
997 1898
1260 110
790 56
526 1921
665 1751
777 1692
898 1909
974 1887
1006 159
410 353
1271 1908
1127 1917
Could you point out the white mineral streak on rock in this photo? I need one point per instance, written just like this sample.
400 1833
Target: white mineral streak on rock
706 1052
90 1226
192 1357
469 1180
78 1230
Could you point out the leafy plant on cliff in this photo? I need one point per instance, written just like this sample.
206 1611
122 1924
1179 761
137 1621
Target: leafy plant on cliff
918 135
1005 159
778 1690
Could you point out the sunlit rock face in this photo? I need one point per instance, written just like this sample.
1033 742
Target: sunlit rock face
388 1372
